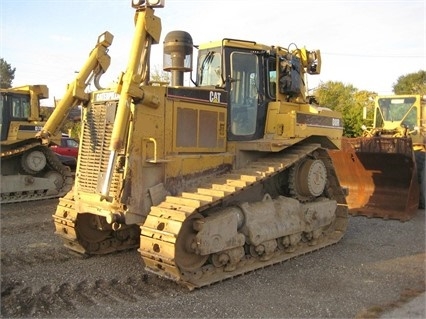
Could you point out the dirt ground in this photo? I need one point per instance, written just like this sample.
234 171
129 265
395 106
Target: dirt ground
377 266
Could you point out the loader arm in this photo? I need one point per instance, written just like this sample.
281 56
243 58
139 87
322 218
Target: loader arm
96 65
147 32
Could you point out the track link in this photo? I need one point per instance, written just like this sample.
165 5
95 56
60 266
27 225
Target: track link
170 221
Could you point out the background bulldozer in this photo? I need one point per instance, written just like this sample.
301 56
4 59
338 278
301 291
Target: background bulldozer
30 170
384 169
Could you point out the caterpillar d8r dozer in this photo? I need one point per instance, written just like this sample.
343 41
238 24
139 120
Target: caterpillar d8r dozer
30 170
209 181
384 169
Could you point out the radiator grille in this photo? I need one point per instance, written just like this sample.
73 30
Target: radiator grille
94 148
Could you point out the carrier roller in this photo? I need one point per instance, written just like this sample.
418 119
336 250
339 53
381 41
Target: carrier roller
278 207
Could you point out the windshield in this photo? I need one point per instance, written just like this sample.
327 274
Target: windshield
20 106
13 107
209 71
396 110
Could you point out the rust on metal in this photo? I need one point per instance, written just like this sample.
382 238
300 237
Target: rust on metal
380 175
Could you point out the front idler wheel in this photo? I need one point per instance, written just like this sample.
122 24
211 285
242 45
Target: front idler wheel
186 257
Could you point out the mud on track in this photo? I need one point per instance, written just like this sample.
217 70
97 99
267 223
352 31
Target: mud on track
372 265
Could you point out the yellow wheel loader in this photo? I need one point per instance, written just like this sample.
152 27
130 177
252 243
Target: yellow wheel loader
384 169
30 170
208 181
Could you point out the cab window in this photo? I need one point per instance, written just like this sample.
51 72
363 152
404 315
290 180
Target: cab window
244 93
271 78
20 106
209 72
395 109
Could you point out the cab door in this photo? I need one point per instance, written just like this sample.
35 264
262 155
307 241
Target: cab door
247 105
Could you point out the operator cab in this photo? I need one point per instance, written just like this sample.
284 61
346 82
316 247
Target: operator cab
20 111
254 75
240 70
13 107
393 112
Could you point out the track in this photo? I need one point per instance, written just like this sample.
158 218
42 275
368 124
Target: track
55 172
168 242
80 233
168 230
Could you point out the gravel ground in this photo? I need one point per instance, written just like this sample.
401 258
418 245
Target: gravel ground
414 308
378 266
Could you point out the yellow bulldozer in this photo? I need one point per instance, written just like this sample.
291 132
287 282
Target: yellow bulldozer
384 169
30 170
208 181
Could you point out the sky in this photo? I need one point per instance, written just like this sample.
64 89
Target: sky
368 44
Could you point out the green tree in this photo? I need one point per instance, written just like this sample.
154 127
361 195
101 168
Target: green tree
364 100
349 101
71 126
45 112
7 74
412 83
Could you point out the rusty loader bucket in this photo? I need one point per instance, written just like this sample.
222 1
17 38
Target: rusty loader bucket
380 175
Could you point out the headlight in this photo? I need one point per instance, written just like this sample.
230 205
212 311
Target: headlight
155 3
148 3
137 3
105 39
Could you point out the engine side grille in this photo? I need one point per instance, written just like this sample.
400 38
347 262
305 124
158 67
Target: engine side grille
94 148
